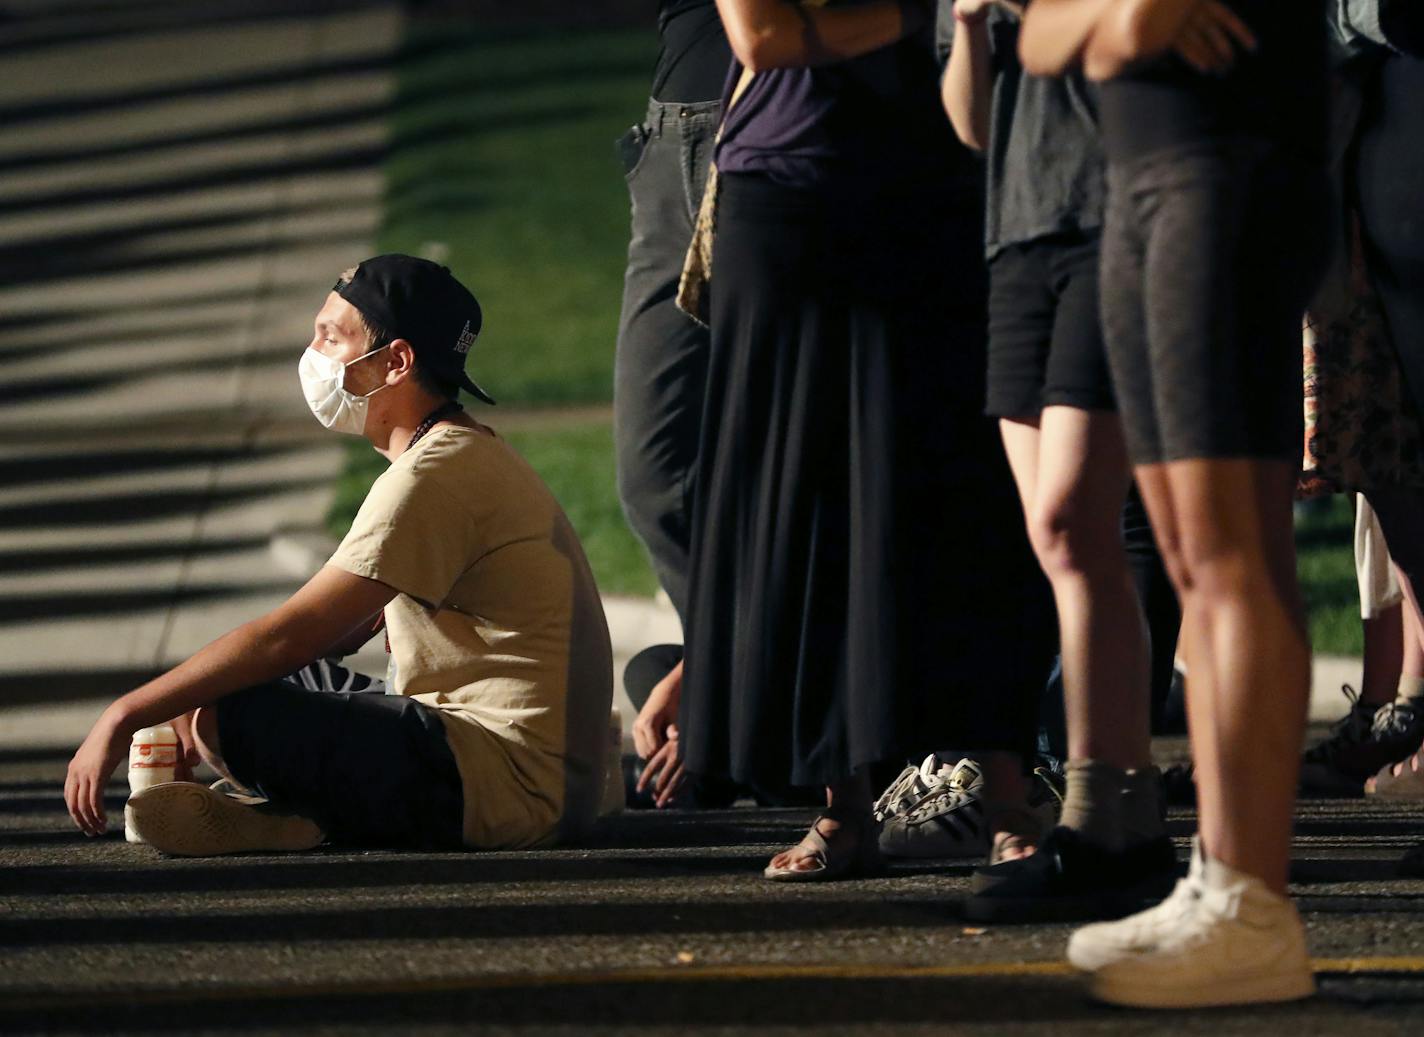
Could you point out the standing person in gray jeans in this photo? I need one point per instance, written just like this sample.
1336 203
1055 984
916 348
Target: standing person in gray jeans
661 363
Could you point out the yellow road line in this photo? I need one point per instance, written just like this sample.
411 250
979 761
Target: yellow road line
631 977
1409 965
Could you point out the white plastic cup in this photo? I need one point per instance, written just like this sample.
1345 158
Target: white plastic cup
153 759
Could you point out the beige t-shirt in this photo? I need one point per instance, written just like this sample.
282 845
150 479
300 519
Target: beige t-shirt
498 624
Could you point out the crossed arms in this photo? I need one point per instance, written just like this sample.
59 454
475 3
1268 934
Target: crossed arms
767 34
1107 37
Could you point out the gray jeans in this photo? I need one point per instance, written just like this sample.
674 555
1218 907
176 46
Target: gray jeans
661 363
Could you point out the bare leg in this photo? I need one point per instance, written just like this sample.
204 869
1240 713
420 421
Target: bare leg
1193 646
1075 523
1021 443
1401 517
1005 798
1384 655
1412 661
1230 550
1005 784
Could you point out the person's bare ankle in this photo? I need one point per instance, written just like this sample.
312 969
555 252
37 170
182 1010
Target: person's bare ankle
1014 830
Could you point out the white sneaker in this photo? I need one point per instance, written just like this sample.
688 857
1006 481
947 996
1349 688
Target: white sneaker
946 821
191 820
1094 946
913 784
949 820
234 789
1221 938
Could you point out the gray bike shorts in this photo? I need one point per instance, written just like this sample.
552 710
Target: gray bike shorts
1210 254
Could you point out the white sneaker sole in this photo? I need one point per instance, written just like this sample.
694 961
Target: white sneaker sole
1243 990
191 820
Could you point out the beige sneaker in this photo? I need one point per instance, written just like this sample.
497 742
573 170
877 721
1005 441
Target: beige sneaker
1221 938
191 820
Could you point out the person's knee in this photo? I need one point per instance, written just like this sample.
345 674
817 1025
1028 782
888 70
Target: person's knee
1214 570
1071 539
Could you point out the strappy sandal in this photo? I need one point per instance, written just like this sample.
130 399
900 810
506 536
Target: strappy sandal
1402 781
861 859
1015 830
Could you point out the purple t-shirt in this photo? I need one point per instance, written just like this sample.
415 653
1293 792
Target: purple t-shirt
870 120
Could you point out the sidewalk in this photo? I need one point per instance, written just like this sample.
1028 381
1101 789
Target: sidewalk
179 190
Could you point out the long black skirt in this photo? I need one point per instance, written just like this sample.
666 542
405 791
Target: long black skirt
861 582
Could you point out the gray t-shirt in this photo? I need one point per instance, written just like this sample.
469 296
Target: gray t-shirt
1045 165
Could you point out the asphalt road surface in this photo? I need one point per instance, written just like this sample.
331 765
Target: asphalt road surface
662 925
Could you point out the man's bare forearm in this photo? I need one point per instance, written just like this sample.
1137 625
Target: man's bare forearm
766 34
304 628
252 654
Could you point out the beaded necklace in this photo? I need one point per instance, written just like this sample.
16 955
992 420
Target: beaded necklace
439 414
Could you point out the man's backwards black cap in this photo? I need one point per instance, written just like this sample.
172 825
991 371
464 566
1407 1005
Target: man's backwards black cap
421 302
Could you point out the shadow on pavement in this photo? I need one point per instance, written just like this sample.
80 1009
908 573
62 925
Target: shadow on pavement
159 226
716 1004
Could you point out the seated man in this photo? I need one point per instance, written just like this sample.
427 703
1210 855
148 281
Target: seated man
500 678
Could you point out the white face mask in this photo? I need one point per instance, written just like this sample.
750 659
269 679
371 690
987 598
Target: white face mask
323 385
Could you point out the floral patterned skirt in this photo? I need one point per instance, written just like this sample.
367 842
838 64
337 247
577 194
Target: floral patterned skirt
1361 428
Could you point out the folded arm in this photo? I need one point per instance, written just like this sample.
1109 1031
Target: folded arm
1107 37
1133 31
327 610
1104 36
1056 33
967 90
767 34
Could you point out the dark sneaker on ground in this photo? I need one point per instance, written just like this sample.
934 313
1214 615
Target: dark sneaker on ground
1362 742
186 819
1179 785
1070 879
1412 865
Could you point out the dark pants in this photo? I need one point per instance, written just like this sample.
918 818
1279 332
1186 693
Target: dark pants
1389 164
370 768
661 363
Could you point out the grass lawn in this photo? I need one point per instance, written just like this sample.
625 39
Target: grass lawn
1324 537
502 166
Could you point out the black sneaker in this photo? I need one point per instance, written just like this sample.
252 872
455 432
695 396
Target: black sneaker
1071 880
1362 742
1179 785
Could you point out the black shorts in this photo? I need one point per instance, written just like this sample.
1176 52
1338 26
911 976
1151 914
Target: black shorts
1045 338
369 768
1210 254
